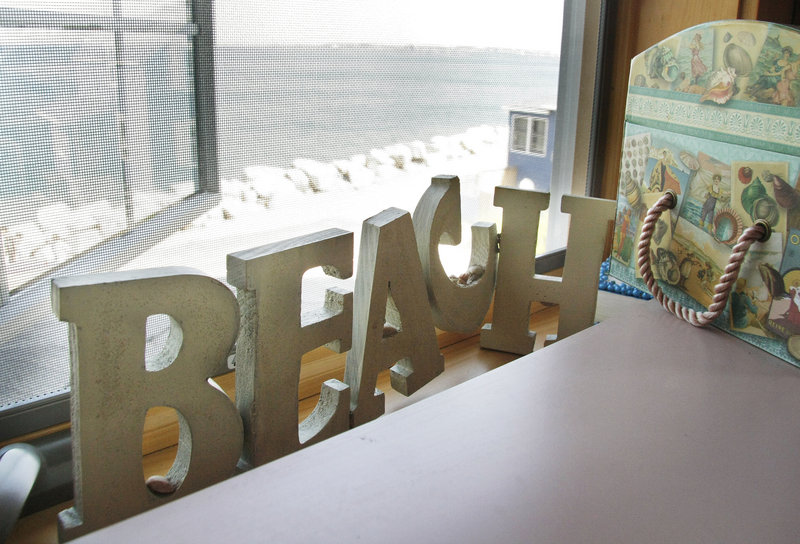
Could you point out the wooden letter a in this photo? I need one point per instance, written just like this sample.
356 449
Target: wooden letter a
392 323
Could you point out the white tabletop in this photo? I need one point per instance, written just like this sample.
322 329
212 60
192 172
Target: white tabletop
639 429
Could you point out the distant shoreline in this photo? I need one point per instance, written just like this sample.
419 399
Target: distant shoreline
276 103
57 232
378 46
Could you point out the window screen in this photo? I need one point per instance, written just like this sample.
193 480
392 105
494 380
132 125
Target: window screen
320 115
97 135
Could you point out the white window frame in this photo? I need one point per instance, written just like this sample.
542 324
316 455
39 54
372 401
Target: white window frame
582 23
21 303
531 122
583 27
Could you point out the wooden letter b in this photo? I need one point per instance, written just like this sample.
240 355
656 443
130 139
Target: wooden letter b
113 387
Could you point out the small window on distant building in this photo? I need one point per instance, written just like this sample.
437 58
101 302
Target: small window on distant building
529 135
538 139
519 136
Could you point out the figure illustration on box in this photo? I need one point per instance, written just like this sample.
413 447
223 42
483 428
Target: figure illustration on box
783 93
706 277
663 176
709 191
714 194
793 313
784 285
776 71
784 316
698 66
744 312
685 268
621 248
761 285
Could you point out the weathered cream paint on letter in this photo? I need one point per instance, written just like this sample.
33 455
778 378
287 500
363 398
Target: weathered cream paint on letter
112 387
517 284
437 219
275 334
392 323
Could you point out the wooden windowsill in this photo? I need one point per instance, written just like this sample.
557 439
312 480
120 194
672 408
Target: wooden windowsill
463 360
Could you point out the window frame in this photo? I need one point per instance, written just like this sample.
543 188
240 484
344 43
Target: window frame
584 32
582 23
531 121
54 409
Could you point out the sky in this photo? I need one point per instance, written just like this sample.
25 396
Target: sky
533 25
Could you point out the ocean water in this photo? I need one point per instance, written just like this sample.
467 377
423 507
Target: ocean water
276 104
59 118
62 146
59 124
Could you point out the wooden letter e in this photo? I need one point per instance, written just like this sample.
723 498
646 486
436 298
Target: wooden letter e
275 334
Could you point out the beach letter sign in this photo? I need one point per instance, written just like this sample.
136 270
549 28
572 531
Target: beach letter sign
401 295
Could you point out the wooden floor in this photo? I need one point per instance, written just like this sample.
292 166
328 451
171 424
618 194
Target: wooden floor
463 360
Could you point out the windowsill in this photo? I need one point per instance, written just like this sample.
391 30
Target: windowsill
463 360
528 153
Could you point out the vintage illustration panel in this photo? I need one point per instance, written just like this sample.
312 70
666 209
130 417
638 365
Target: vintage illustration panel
713 116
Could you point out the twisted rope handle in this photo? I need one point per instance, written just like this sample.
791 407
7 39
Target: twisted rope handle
759 232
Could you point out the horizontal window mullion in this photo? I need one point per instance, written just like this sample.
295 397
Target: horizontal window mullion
23 18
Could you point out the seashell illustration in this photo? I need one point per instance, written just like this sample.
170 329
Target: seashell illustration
632 192
738 58
728 226
720 86
765 208
670 73
746 38
785 195
661 63
660 231
745 175
751 193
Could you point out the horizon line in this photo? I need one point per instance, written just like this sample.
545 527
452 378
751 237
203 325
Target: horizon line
542 52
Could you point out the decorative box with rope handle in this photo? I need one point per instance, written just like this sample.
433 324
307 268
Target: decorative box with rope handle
708 214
